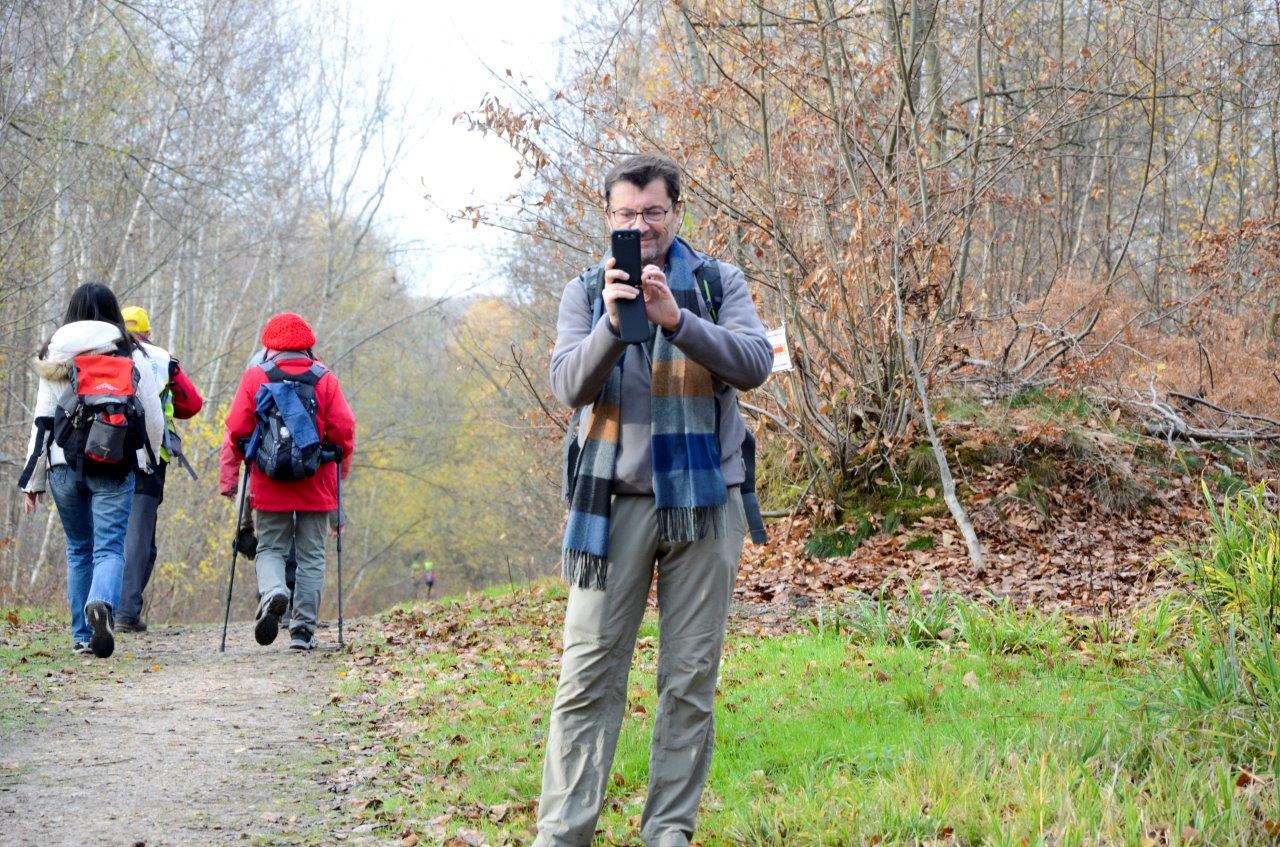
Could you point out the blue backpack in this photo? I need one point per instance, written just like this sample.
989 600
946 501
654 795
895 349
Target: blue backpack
285 444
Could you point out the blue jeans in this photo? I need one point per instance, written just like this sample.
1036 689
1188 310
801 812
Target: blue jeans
95 526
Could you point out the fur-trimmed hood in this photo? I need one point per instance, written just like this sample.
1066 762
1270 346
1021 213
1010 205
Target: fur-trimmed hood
75 339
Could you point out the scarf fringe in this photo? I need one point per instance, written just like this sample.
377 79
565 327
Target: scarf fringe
583 569
690 523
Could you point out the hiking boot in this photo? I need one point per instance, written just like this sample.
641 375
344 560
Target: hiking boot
302 640
131 626
103 642
81 648
269 613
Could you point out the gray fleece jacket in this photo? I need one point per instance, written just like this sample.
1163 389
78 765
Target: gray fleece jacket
735 351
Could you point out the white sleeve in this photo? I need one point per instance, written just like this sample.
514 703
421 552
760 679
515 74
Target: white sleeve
151 408
36 467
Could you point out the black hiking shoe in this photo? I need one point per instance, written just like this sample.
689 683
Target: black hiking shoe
302 639
131 626
103 641
268 626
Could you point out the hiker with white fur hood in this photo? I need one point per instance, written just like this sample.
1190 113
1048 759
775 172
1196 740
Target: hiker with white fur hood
92 479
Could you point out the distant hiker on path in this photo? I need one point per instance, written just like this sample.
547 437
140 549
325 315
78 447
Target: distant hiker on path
97 421
429 576
654 479
293 480
180 400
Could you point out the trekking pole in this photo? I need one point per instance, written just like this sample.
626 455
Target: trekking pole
235 551
337 470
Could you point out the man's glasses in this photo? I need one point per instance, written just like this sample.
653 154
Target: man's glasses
651 215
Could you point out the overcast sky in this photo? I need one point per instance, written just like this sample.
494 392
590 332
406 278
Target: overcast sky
440 52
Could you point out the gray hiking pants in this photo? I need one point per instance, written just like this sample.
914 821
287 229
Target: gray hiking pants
306 531
695 581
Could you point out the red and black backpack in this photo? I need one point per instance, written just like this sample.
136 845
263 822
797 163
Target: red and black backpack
100 425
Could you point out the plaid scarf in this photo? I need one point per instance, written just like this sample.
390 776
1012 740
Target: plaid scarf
688 488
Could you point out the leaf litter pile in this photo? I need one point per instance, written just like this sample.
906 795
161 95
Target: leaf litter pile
1067 520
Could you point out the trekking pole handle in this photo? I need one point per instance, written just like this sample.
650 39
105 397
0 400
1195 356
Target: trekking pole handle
330 453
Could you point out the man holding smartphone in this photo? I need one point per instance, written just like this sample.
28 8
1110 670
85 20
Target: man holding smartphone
653 487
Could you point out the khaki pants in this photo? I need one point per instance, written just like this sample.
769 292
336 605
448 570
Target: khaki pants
695 581
306 532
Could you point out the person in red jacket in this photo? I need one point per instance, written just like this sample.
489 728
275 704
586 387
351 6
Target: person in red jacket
294 512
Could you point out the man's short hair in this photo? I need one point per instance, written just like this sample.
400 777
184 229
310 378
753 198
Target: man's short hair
642 170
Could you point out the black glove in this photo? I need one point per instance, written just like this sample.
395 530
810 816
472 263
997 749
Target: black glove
247 541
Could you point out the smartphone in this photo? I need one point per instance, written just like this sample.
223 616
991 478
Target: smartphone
633 324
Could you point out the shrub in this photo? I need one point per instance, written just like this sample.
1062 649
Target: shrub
1236 568
1228 686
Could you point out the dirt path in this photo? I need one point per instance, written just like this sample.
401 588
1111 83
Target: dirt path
176 744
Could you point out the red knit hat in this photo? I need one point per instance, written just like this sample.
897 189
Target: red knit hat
288 331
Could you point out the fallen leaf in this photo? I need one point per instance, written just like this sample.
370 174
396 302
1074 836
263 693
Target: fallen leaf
970 680
472 837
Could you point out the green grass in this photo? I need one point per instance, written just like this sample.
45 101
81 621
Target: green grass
36 657
34 647
1054 405
929 720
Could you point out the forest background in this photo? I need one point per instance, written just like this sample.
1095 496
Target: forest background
952 206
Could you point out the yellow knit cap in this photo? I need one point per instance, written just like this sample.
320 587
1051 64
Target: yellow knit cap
136 319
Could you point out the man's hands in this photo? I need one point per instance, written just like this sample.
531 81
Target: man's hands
659 305
29 504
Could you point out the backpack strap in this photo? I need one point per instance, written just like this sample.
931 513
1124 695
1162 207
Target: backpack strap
310 376
593 279
750 503
711 286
